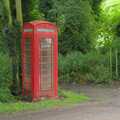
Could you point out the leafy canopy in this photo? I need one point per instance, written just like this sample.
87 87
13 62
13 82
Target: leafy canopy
76 23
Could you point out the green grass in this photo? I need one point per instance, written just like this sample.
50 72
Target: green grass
70 98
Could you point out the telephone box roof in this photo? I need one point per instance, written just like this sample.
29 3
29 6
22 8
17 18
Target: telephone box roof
37 22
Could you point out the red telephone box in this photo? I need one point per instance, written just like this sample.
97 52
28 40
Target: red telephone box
39 60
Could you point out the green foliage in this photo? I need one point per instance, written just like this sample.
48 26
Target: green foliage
110 24
5 79
99 74
45 6
2 43
6 96
77 24
31 10
69 67
91 67
3 15
5 71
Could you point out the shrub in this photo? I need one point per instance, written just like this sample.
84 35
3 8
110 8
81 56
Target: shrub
69 66
99 74
5 78
78 67
5 71
5 95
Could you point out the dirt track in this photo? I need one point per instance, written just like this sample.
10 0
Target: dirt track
104 105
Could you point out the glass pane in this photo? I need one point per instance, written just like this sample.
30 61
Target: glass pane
46 63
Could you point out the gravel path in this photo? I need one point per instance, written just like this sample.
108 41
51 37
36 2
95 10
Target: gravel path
104 105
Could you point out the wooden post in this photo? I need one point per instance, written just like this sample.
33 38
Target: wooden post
116 54
111 62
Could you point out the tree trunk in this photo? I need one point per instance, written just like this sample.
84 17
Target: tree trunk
19 11
8 10
19 18
12 48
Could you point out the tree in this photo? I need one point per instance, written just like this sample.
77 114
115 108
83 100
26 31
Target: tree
11 37
77 24
45 6
19 12
8 10
31 10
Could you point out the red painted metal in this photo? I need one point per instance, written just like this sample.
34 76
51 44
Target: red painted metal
35 32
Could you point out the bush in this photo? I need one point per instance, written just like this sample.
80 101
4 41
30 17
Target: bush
69 66
99 74
5 71
78 67
5 95
98 67
5 78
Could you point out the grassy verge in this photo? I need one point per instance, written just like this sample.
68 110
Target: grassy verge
70 98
